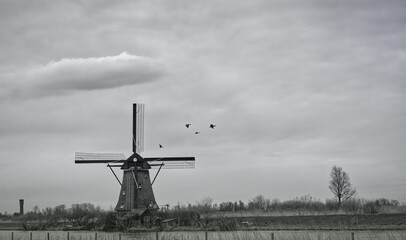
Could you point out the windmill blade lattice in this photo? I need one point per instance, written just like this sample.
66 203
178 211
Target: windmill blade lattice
86 157
174 164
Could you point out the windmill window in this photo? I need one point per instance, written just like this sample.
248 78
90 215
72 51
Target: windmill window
122 206
123 193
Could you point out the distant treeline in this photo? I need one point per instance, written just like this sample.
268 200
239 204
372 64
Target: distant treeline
299 205
78 215
81 214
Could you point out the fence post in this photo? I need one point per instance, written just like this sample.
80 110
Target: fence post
12 235
119 236
352 236
47 235
95 236
30 235
156 236
206 233
272 236
68 235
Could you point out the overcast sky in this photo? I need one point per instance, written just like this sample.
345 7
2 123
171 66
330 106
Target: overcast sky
294 87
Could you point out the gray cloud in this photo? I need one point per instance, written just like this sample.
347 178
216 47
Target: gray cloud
81 74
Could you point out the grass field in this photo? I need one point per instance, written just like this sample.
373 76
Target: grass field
316 222
348 222
320 227
200 235
360 222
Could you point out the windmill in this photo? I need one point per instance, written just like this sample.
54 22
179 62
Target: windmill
136 194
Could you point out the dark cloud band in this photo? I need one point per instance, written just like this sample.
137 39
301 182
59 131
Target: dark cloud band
83 74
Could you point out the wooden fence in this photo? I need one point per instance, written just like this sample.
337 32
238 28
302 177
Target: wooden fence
185 235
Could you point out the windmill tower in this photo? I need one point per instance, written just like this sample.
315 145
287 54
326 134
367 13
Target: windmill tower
136 194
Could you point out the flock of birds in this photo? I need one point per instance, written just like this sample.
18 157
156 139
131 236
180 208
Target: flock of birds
212 126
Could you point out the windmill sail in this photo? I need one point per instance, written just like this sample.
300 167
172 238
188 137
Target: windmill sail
85 157
174 165
138 127
171 162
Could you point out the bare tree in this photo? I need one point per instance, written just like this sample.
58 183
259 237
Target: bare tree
205 207
340 185
259 202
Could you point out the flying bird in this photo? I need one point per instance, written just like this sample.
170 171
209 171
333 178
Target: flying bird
160 146
197 132
188 125
212 126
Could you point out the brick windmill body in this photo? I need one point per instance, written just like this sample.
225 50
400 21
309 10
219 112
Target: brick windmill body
136 199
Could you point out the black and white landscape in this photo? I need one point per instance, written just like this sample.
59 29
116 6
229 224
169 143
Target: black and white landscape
292 87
